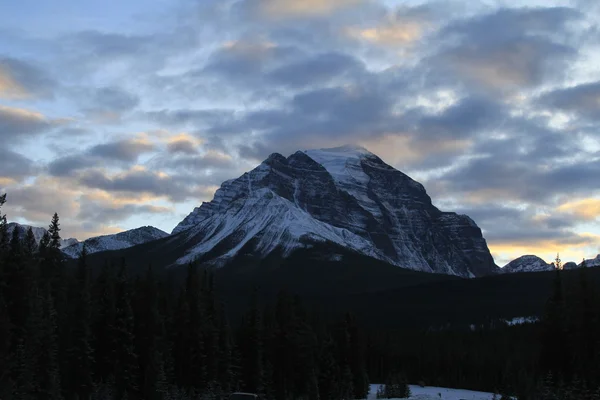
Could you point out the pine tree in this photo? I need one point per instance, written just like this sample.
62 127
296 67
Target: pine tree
5 340
103 325
54 232
80 351
250 339
30 246
42 326
126 365
3 227
555 357
149 333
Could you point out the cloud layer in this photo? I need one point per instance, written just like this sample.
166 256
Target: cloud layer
494 108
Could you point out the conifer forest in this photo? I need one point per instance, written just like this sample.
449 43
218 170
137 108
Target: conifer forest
68 331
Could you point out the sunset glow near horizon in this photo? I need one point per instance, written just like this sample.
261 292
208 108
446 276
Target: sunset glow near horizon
119 116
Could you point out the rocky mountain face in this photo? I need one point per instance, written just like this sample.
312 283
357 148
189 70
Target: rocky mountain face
346 196
528 263
38 233
117 241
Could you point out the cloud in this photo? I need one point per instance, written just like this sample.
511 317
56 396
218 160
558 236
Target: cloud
20 80
65 166
124 151
109 212
15 166
138 181
17 124
183 144
293 8
583 100
316 70
483 51
108 104
127 150
404 27
586 209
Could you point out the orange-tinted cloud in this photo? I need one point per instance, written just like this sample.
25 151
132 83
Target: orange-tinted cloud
290 8
585 247
586 209
391 33
9 87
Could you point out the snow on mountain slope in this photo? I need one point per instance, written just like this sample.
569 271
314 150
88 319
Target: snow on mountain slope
117 241
592 262
38 233
527 263
344 195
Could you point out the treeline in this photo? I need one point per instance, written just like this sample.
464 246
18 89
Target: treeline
65 334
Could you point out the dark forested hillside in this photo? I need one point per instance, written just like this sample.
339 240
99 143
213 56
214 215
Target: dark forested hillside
117 330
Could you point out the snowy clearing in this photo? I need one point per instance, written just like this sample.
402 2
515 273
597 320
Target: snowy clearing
432 393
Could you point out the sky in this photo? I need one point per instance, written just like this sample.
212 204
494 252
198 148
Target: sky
123 114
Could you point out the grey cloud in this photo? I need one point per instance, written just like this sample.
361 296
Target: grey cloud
138 182
469 116
504 224
197 163
582 99
191 117
316 70
65 166
520 178
108 104
17 124
30 80
182 147
509 49
110 213
122 150
15 166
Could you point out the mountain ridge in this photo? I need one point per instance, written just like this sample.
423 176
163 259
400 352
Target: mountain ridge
345 195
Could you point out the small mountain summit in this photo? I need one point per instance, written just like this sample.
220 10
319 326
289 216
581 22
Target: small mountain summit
117 241
38 233
344 196
527 263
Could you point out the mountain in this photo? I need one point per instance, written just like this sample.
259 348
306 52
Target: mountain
38 233
592 262
345 196
528 263
117 241
570 265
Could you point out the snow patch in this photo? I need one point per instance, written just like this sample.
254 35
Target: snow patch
438 393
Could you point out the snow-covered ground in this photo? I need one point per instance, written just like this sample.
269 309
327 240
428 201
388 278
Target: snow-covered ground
433 393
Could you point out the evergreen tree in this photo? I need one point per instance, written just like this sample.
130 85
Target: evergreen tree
6 383
103 325
42 331
126 366
250 342
3 227
149 334
555 356
80 351
54 232
30 246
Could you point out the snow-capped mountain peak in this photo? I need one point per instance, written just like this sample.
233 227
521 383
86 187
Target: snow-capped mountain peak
38 233
592 262
117 241
527 263
346 196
